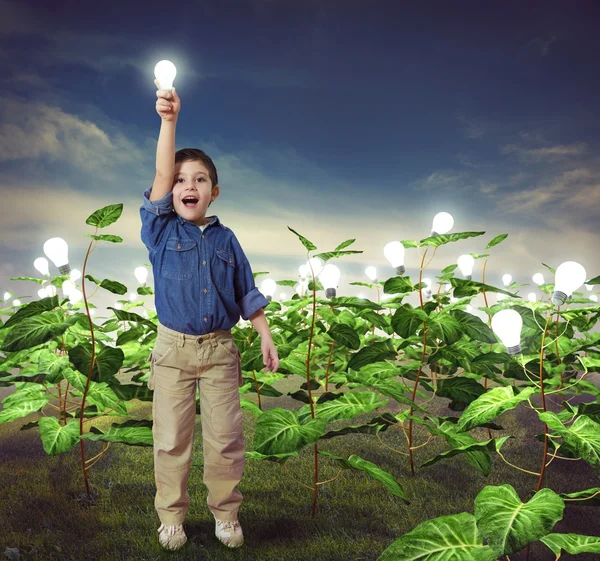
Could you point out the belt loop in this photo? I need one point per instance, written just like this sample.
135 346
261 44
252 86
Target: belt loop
181 339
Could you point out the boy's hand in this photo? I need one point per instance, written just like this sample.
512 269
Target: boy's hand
167 104
269 352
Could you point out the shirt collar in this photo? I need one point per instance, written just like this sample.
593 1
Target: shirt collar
213 220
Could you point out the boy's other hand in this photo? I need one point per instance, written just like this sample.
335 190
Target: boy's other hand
168 104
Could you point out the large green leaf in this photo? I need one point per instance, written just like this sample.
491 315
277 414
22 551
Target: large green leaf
37 330
134 432
446 538
31 310
445 328
345 336
398 285
375 352
507 524
348 406
29 398
407 320
358 463
588 497
463 390
490 405
474 327
572 543
279 431
57 438
441 239
463 288
583 436
306 243
496 241
105 216
107 361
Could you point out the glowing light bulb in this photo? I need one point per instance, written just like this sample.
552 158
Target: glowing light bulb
329 277
42 293
442 223
75 275
538 279
507 325
67 287
16 302
165 73
371 272
267 287
589 287
7 296
569 277
316 263
594 297
132 296
75 296
303 271
141 274
41 264
394 252
119 306
57 250
282 296
532 297
453 300
465 264
506 279
361 296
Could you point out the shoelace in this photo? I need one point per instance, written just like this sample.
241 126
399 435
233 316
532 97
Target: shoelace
228 523
171 530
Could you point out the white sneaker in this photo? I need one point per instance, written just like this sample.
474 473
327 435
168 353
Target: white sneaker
229 532
171 537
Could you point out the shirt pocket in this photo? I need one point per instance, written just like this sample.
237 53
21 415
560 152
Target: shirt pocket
223 267
180 260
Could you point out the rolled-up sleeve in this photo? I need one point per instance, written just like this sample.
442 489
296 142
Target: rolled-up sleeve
248 298
155 216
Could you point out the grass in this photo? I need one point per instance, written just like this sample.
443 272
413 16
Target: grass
42 515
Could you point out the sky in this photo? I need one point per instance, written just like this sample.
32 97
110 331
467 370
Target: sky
339 119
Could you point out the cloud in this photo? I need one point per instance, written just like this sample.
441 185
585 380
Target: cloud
533 155
473 128
32 130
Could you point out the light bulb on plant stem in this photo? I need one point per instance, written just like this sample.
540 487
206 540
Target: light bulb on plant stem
538 279
594 297
267 287
41 264
303 271
394 252
589 287
442 223
465 264
506 279
57 250
68 287
568 278
75 275
507 325
141 274
371 272
532 297
165 73
329 277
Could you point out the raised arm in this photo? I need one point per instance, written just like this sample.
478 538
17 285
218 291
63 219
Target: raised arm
168 105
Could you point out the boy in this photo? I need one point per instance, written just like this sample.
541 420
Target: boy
203 282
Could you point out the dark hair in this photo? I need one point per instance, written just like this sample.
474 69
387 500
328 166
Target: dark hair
193 155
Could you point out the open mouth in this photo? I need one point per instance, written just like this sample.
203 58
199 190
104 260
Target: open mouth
190 202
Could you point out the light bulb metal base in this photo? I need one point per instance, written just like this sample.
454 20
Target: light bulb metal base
433 233
400 270
468 277
269 298
515 350
64 269
559 298
330 293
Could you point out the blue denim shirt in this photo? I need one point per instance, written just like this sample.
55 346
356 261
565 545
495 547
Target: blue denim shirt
202 279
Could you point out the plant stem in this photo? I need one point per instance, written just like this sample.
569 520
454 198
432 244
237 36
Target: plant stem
410 421
540 480
485 380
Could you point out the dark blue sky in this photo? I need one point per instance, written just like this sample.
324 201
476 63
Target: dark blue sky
345 119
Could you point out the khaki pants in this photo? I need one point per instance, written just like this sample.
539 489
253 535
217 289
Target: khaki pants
179 363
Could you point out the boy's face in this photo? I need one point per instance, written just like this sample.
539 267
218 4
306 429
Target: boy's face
191 179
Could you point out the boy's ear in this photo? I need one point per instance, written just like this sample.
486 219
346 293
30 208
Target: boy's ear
216 190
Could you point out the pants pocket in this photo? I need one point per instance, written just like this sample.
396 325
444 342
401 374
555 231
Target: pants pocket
226 413
151 377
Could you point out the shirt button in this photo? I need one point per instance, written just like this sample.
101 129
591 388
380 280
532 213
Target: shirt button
204 262
205 291
205 319
178 246
202 236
